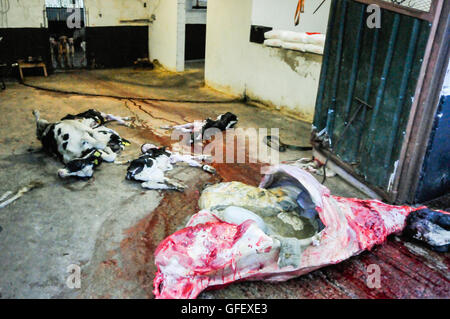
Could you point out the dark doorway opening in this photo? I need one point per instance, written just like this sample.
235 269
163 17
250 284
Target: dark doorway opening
195 42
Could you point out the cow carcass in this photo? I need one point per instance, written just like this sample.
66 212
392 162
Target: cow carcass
150 167
204 130
81 141
289 226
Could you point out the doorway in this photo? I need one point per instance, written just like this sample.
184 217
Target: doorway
195 31
66 26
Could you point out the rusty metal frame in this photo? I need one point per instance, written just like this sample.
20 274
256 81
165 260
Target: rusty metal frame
425 105
421 119
347 168
428 16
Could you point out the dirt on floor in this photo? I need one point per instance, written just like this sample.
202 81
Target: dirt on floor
111 227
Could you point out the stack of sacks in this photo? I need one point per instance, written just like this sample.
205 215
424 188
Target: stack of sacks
299 41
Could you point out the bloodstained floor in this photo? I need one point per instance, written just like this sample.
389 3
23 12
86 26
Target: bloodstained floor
111 227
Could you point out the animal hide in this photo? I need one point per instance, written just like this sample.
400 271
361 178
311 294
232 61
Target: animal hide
237 236
80 141
150 167
202 130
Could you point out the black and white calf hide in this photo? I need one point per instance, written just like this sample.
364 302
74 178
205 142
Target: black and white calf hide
199 130
100 118
80 142
150 167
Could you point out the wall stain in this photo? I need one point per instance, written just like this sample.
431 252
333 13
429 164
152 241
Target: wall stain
298 61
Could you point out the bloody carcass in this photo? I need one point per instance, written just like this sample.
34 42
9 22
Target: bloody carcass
289 226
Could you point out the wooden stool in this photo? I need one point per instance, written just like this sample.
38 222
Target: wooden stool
31 65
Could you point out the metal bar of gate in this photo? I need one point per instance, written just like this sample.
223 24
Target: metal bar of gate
403 88
373 56
337 67
354 72
382 86
325 62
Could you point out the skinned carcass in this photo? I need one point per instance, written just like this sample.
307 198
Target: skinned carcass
249 233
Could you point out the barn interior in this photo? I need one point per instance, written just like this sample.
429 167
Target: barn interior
172 62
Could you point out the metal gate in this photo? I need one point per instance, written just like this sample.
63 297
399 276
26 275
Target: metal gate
370 85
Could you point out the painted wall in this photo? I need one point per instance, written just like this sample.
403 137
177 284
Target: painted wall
287 80
22 13
23 31
280 15
166 31
166 37
107 13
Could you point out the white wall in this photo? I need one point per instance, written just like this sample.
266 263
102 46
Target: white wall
101 13
167 33
22 14
279 14
194 16
287 80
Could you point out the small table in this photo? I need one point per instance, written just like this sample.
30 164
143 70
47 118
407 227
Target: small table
31 65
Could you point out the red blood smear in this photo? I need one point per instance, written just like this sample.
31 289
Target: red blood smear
367 223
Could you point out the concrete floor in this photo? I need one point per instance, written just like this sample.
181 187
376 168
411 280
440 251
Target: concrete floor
107 225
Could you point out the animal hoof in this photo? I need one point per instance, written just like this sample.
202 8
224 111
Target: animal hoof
209 169
176 185
63 173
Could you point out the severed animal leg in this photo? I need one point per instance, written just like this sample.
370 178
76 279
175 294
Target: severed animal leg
185 128
118 119
108 155
209 169
19 193
122 162
192 161
5 195
175 185
155 186
168 184
86 172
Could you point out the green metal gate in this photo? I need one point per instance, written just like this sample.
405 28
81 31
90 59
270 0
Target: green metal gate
369 77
